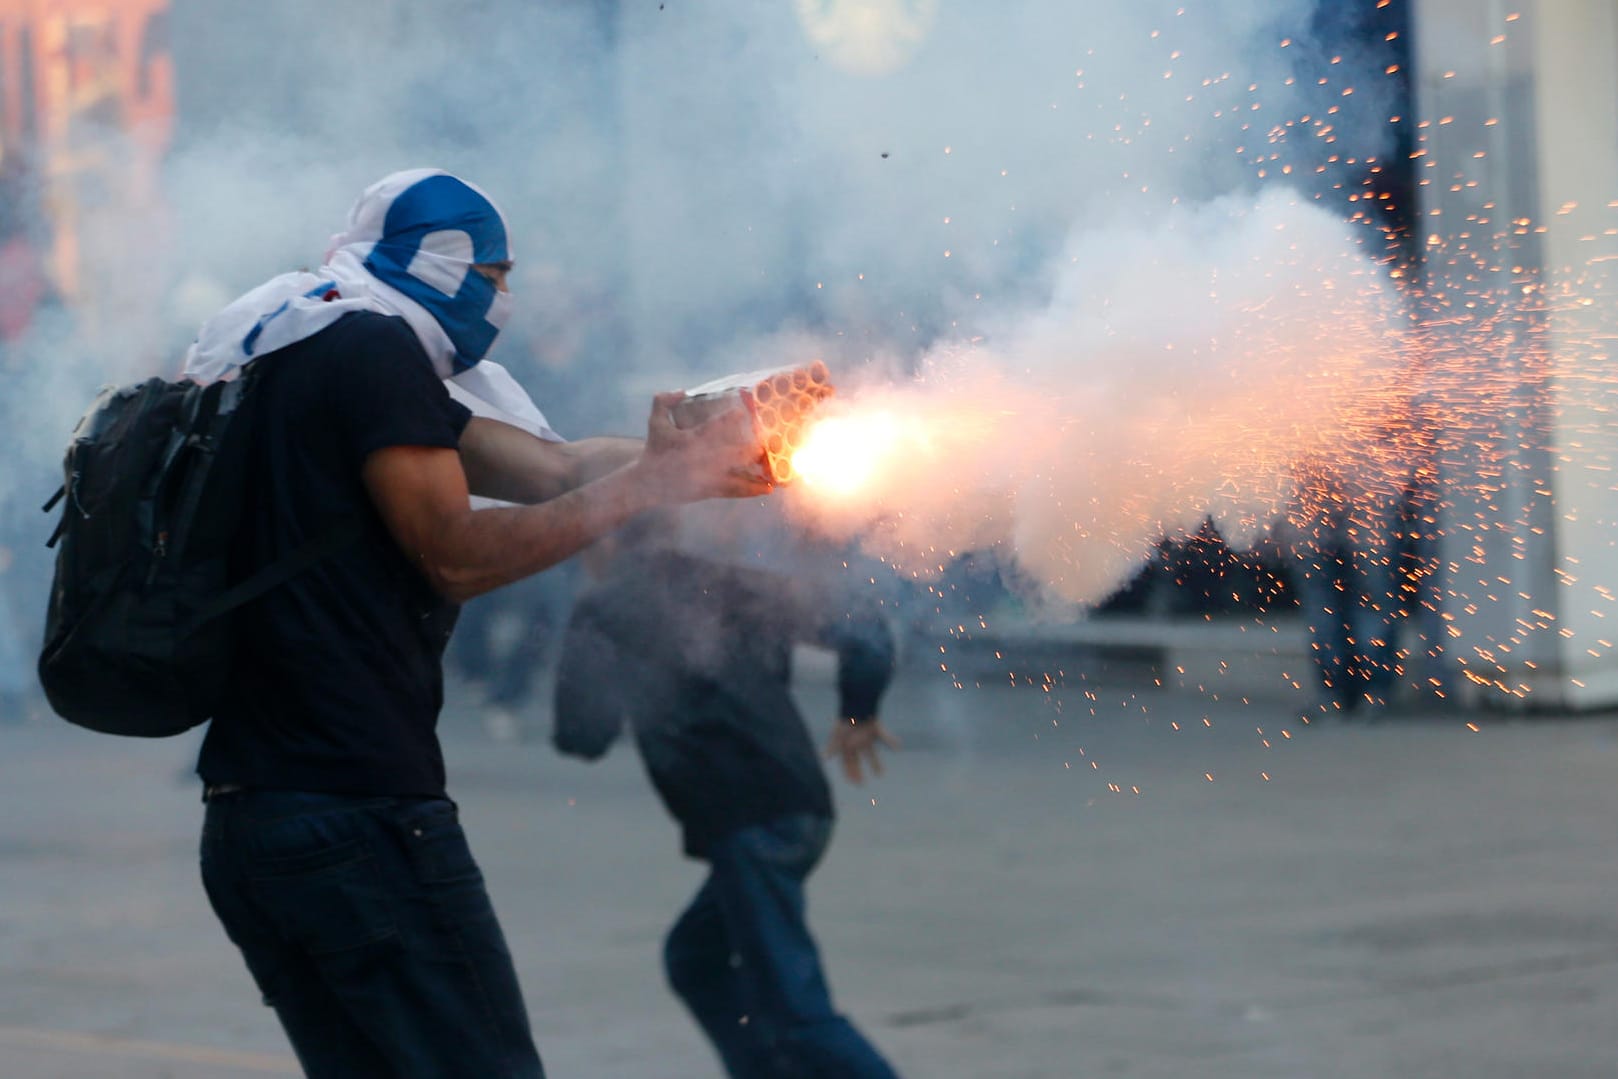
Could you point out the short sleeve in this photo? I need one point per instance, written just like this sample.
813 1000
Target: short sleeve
384 391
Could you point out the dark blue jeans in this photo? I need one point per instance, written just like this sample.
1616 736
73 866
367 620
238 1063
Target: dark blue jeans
367 927
742 960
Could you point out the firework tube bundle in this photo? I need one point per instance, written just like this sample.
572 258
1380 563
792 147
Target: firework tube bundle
782 402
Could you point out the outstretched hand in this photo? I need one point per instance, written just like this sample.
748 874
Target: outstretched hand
719 458
855 742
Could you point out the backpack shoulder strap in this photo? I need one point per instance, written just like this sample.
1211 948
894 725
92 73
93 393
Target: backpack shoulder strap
278 572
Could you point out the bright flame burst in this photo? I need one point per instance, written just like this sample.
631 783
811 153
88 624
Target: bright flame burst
851 453
846 454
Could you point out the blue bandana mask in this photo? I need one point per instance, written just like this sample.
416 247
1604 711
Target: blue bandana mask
428 229
408 250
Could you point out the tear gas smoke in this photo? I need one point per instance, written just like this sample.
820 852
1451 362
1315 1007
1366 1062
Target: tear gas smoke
1173 376
693 184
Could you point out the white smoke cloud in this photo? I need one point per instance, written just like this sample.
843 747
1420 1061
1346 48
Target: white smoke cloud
1083 230
1175 374
1029 201
901 206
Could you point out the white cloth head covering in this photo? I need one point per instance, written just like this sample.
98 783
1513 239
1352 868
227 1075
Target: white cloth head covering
407 250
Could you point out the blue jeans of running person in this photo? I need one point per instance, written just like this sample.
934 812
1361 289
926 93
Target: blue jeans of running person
366 925
742 960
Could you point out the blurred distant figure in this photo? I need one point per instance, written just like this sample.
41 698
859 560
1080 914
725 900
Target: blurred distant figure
1417 567
695 656
1342 543
505 639
1364 537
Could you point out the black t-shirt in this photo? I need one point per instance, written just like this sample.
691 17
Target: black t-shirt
696 656
338 677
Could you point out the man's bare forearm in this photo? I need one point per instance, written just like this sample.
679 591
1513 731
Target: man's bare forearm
601 456
422 493
488 548
505 463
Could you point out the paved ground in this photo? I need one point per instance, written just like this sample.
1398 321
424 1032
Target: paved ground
1046 884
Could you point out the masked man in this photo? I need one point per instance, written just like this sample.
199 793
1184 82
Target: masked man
330 850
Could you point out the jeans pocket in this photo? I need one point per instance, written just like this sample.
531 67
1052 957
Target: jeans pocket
327 899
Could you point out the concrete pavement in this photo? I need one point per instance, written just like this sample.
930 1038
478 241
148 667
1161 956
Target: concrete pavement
1052 881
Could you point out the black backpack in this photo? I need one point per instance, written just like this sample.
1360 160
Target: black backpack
136 641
